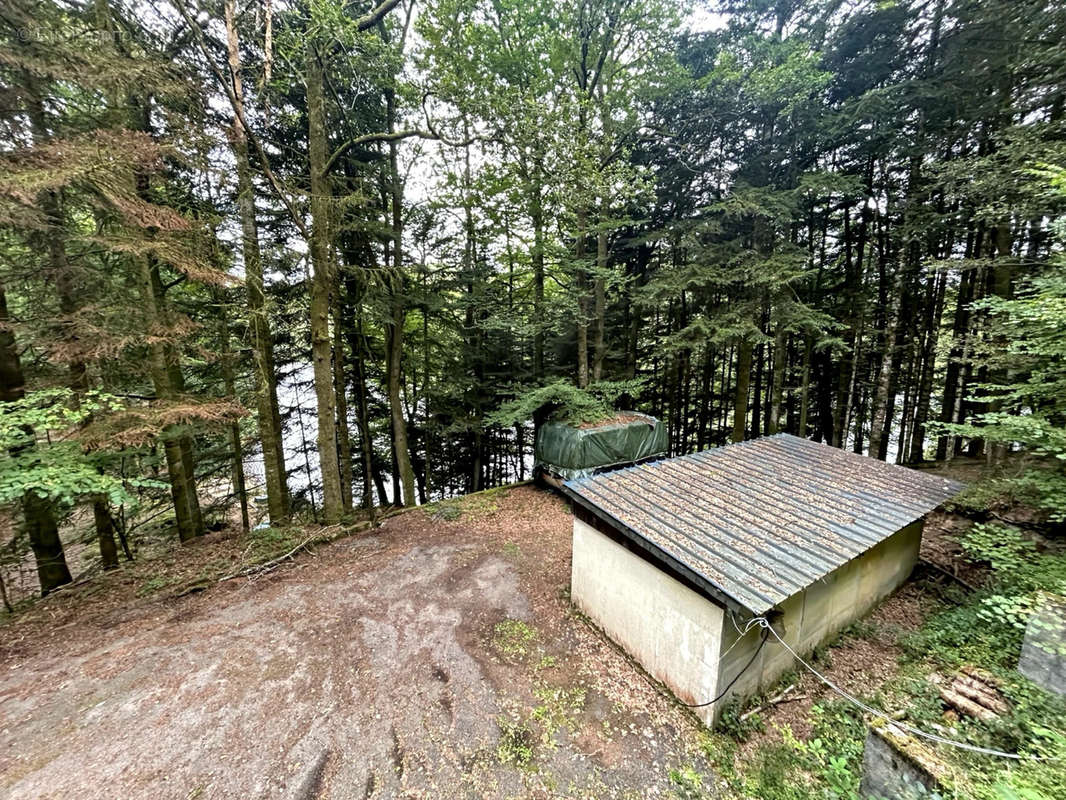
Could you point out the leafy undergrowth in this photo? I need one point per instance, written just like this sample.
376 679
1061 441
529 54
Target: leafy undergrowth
982 628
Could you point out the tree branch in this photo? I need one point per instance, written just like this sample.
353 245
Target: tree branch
369 20
372 138
228 85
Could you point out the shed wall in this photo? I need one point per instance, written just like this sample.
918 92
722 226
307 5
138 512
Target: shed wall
813 616
674 632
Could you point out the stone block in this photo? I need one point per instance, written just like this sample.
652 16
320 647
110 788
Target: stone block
1043 659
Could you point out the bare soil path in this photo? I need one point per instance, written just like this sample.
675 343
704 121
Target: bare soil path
429 658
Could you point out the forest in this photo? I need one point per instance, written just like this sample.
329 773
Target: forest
306 259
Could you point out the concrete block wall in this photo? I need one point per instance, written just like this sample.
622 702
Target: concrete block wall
898 767
674 632
812 617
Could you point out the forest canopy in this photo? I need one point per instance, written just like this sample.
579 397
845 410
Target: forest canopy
274 260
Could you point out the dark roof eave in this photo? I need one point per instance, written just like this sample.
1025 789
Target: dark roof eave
708 588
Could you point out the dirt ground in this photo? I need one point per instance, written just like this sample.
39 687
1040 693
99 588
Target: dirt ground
434 657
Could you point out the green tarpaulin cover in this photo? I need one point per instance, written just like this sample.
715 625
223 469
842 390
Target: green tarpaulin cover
577 452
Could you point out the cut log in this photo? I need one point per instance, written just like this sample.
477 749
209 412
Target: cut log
976 694
965 705
981 694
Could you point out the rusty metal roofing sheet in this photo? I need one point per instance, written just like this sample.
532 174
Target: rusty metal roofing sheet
758 521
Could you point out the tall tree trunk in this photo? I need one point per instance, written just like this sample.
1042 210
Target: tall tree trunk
778 389
740 398
340 388
166 378
925 388
581 281
599 345
229 386
805 389
952 390
268 415
882 408
322 286
1002 286
537 257
401 454
357 346
853 400
703 415
41 525
756 392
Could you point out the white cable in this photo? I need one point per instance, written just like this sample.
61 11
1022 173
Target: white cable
762 622
751 623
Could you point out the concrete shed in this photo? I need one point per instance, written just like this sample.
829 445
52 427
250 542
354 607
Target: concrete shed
672 558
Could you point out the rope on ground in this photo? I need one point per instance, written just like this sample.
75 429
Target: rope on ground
768 630
764 623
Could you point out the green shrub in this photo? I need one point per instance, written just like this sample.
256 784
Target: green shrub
564 402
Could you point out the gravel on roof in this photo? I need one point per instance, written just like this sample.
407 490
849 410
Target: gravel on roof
759 521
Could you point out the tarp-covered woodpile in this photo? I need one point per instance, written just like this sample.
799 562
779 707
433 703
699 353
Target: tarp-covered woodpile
578 451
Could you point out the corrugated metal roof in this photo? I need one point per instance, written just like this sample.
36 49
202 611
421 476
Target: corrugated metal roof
758 521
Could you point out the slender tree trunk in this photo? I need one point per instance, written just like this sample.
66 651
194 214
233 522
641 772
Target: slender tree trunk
853 399
166 378
805 390
703 413
952 387
307 459
778 390
229 386
925 387
581 282
357 345
321 287
340 388
537 257
1002 285
740 398
882 408
756 392
41 525
268 415
401 454
599 351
